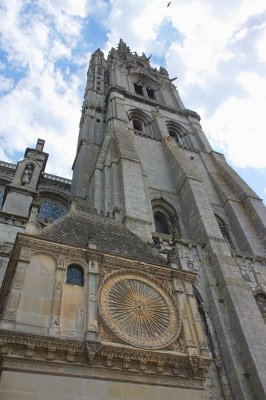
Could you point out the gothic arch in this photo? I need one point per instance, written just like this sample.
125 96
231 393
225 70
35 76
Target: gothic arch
178 132
165 217
141 121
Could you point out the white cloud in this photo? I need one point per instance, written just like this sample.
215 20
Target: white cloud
261 47
6 84
45 102
237 125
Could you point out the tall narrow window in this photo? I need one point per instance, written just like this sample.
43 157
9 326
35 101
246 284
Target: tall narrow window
161 223
75 275
150 93
137 125
225 232
1 196
261 303
138 89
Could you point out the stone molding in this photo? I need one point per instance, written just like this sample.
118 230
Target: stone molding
27 352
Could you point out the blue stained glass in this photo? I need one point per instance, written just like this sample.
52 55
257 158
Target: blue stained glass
1 197
51 210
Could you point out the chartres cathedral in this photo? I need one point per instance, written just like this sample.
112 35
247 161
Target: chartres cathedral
143 278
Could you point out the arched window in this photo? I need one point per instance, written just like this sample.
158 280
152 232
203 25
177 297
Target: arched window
51 210
178 132
141 122
161 223
225 232
174 135
75 275
137 125
261 303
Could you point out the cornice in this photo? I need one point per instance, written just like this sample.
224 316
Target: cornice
27 352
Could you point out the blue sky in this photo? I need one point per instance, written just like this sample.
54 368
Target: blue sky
217 49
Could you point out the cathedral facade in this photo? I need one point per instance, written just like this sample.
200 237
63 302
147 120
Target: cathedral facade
145 276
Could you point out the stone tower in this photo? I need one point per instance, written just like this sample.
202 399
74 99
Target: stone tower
153 284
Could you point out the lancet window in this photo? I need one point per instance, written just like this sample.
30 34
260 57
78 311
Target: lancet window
225 232
165 218
161 223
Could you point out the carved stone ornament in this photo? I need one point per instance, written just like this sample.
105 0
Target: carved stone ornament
138 310
92 349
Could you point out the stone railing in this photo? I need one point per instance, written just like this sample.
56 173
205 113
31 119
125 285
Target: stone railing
6 164
57 178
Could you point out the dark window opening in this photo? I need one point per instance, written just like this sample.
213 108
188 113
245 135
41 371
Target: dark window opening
174 135
138 89
150 93
161 223
137 125
225 232
75 275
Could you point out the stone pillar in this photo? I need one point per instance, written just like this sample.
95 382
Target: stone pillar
92 307
57 299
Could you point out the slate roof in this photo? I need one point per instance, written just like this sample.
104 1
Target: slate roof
76 228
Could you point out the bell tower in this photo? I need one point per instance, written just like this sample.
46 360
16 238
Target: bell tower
154 169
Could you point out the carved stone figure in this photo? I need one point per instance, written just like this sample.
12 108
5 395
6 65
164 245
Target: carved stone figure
27 174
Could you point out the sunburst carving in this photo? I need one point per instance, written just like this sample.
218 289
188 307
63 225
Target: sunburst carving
139 310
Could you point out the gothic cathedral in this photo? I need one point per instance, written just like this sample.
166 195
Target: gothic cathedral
145 276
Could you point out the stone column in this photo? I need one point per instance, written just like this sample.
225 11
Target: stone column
57 299
92 308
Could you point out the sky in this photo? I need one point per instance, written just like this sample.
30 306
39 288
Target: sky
216 49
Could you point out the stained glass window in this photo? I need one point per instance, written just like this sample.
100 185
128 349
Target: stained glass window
75 275
51 210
